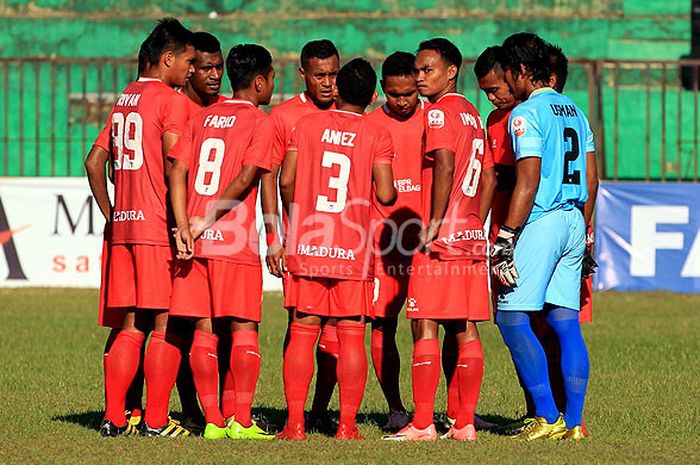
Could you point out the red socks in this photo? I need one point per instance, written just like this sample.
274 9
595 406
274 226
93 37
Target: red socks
352 370
121 365
245 366
426 377
298 369
470 370
228 395
204 361
327 360
160 371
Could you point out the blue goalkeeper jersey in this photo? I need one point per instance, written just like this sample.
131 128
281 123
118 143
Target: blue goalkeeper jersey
550 126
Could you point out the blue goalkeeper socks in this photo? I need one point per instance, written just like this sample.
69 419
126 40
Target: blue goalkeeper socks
529 359
574 361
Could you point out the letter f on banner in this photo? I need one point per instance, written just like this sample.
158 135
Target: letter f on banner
645 240
8 245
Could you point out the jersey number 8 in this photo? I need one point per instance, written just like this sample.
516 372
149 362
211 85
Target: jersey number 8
207 165
127 134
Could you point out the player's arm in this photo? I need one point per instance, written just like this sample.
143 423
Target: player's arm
275 252
592 182
443 176
488 184
169 140
526 184
383 176
287 179
234 193
97 177
178 199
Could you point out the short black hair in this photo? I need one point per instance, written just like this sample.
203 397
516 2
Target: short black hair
321 49
529 50
399 64
244 62
169 34
205 42
489 60
560 66
143 58
447 50
357 82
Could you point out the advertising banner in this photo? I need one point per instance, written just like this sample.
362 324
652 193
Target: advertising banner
648 237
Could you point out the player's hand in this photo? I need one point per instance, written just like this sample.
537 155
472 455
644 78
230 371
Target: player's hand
502 261
426 236
276 260
184 242
589 265
198 224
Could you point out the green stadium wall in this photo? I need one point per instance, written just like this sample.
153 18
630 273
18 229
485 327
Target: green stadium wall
55 126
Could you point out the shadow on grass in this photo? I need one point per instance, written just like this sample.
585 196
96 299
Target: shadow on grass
276 417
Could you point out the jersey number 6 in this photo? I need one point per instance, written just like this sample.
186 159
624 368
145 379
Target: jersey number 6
471 178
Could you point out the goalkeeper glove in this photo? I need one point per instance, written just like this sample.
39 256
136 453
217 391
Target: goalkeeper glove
502 262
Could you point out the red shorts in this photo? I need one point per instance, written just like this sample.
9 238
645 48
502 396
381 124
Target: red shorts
209 288
448 289
133 276
390 289
327 297
586 313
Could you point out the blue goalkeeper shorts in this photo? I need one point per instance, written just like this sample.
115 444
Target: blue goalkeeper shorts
548 256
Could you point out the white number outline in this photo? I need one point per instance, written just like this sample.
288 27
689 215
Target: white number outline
206 165
339 183
473 174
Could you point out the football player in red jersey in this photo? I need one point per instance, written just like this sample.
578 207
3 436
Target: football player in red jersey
397 226
224 150
449 284
319 66
339 160
145 122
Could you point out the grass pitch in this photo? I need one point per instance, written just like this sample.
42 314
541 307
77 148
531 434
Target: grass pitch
642 406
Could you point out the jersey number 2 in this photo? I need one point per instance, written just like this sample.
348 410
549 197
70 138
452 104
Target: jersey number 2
339 183
574 177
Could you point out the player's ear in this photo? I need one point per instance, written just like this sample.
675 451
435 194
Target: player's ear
452 72
168 58
375 95
302 73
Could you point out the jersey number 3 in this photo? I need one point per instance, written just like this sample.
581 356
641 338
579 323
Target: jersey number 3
339 183
574 177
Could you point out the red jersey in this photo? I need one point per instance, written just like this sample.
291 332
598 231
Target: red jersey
499 137
407 138
143 113
196 108
218 142
328 233
285 116
452 123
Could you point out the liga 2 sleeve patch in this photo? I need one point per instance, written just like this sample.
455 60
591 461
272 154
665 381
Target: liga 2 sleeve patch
436 119
518 126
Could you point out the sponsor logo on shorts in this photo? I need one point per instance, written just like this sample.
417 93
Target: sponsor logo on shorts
436 119
328 252
128 215
518 126
213 235
412 305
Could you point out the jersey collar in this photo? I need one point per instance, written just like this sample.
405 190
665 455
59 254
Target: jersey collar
451 94
345 112
541 90
147 79
239 101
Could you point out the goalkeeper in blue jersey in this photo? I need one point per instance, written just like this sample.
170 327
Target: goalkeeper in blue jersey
538 254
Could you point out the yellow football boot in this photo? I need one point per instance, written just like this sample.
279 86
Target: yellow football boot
540 429
574 434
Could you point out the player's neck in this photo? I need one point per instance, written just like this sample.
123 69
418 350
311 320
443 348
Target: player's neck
156 73
398 117
314 102
350 108
450 89
531 87
247 94
202 100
